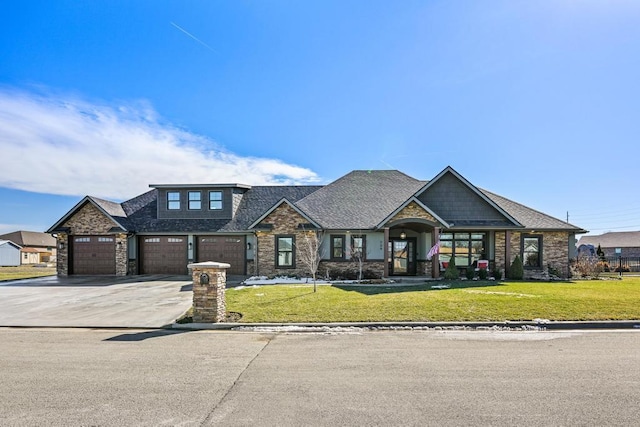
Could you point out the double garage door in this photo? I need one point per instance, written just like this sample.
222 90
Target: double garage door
169 254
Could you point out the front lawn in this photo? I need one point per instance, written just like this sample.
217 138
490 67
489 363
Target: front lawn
25 272
464 301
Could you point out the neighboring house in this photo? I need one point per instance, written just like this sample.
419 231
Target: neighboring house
627 241
9 254
36 247
383 218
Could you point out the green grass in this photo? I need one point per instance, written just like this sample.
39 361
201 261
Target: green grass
464 301
25 272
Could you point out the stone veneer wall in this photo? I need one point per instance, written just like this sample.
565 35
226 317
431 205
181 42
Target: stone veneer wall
90 221
500 238
62 262
352 267
284 220
413 210
555 252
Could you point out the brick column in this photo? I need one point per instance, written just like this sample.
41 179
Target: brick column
209 282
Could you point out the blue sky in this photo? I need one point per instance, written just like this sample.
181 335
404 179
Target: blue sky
536 101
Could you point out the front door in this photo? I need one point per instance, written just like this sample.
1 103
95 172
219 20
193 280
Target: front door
403 257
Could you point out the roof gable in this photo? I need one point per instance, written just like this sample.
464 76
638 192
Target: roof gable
460 204
111 210
275 207
10 243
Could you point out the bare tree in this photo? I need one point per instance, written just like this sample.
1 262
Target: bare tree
309 252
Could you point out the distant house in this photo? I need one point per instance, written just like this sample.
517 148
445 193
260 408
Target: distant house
384 222
9 254
36 247
627 241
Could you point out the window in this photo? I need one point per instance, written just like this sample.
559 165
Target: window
359 247
285 255
531 251
337 247
195 200
105 239
82 239
173 200
215 200
466 248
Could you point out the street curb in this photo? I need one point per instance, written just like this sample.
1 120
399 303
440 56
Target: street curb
519 325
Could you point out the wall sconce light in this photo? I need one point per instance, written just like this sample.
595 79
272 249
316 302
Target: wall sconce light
249 246
190 245
61 245
403 235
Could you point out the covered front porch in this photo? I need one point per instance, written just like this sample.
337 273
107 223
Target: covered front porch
406 245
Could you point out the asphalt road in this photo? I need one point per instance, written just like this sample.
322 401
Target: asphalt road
440 378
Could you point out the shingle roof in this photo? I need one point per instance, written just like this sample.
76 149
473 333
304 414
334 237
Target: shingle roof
30 238
617 239
359 200
530 218
259 199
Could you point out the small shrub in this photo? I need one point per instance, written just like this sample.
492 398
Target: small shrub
516 271
483 274
470 273
589 266
497 274
451 273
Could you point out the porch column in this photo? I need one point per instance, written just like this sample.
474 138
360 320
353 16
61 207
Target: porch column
386 252
435 261
507 250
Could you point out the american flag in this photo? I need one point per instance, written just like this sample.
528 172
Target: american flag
434 250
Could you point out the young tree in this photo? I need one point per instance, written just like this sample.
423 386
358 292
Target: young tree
308 252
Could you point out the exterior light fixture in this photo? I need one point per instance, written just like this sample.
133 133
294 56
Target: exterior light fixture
249 246
403 235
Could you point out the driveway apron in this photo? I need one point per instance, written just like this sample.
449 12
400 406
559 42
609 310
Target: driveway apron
93 301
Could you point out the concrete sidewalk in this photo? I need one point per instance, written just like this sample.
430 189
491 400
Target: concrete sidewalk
130 301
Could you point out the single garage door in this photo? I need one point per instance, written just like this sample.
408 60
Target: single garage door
94 255
163 254
229 249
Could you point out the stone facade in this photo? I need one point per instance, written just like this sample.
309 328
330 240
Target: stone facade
413 210
209 283
90 221
284 220
351 268
555 253
500 251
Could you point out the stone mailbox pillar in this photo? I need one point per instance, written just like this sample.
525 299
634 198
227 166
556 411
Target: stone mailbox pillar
209 282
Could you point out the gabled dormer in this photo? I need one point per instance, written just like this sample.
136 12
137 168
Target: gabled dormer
199 201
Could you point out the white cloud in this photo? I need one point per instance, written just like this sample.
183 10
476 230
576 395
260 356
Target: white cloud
68 146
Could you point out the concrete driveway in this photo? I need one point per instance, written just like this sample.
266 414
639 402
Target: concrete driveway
93 301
